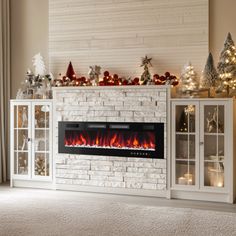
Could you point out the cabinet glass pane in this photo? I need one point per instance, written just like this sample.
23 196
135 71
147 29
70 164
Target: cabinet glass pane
221 119
185 173
210 146
214 174
192 153
47 165
47 140
41 116
214 146
214 119
181 146
21 163
41 164
185 118
46 110
22 143
15 139
22 117
39 141
221 145
185 146
15 116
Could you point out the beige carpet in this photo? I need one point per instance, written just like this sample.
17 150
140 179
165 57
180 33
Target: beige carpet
54 213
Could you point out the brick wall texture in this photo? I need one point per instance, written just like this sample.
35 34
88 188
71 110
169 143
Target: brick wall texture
123 104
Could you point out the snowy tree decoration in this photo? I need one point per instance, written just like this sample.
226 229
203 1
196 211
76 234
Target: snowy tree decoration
38 84
227 66
188 80
209 76
38 63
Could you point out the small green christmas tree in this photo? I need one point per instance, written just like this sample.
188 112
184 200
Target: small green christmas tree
188 80
227 66
209 76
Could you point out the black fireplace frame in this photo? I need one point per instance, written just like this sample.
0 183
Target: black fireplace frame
158 128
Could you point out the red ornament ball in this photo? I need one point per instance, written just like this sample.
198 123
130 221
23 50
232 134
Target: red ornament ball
106 73
115 76
158 82
136 80
156 76
162 78
83 79
125 82
167 74
175 83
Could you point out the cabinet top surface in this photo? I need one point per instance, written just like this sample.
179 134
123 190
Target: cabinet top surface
202 99
31 100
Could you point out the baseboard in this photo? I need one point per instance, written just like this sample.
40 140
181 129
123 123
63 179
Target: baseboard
201 196
121 191
32 184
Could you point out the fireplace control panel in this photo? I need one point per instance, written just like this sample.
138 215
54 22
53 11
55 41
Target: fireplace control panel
140 154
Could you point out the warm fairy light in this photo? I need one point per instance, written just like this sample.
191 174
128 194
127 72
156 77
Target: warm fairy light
189 109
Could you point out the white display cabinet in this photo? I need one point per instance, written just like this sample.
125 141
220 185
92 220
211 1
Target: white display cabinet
31 142
202 153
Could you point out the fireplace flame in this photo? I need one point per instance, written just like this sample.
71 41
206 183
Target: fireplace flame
118 140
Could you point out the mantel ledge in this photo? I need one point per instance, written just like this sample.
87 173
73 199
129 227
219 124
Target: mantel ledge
126 87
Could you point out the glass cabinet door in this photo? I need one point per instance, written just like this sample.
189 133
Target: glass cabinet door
41 139
21 139
214 153
185 144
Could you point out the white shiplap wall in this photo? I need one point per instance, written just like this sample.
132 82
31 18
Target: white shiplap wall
115 34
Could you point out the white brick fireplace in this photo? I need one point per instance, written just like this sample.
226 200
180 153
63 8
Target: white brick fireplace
126 175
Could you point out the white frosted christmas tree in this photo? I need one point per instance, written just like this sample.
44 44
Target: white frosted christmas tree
227 66
209 76
188 80
38 63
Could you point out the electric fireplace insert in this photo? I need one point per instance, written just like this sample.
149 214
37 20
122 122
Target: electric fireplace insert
144 140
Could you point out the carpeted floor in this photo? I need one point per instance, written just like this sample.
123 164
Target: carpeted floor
58 213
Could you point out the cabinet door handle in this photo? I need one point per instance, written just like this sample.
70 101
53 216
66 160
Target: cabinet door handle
29 139
201 143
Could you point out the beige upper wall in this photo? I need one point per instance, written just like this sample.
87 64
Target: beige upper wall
29 35
29 32
222 21
116 34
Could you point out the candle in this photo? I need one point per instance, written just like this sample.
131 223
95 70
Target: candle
182 180
189 178
189 181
